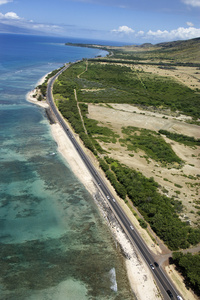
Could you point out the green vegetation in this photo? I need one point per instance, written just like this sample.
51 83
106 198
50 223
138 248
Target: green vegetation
43 87
150 142
169 53
118 81
181 138
164 54
189 266
178 185
104 83
133 60
143 224
63 91
101 133
158 210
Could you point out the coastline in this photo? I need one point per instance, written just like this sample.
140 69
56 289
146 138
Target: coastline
30 95
140 277
141 280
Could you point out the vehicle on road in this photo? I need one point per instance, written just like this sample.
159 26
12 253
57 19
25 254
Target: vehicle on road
113 200
179 297
131 227
156 264
170 294
152 266
108 197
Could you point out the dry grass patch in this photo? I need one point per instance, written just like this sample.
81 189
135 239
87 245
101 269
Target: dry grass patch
189 76
183 184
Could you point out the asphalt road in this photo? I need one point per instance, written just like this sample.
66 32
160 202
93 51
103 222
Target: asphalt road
163 281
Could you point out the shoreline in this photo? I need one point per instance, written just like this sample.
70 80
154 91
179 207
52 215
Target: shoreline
30 95
140 278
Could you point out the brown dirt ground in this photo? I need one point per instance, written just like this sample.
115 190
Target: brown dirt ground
119 115
127 115
189 76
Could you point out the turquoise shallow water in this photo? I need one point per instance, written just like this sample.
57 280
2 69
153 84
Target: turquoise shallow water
53 242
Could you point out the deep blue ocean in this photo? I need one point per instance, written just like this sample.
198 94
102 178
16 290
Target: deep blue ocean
53 242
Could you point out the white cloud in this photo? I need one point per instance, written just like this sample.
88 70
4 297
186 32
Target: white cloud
12 19
9 15
123 29
194 3
179 33
5 1
190 24
46 27
12 15
156 36
141 32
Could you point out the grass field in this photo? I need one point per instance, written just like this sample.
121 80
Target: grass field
108 83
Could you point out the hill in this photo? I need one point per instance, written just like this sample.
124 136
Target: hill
181 51
176 52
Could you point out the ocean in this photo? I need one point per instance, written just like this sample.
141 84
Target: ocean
54 244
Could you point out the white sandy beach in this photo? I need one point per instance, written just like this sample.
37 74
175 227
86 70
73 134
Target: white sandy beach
140 276
30 95
141 279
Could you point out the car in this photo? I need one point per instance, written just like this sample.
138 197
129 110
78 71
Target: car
131 227
114 200
156 264
170 294
108 197
152 266
179 297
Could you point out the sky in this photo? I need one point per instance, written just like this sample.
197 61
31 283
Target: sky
125 21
